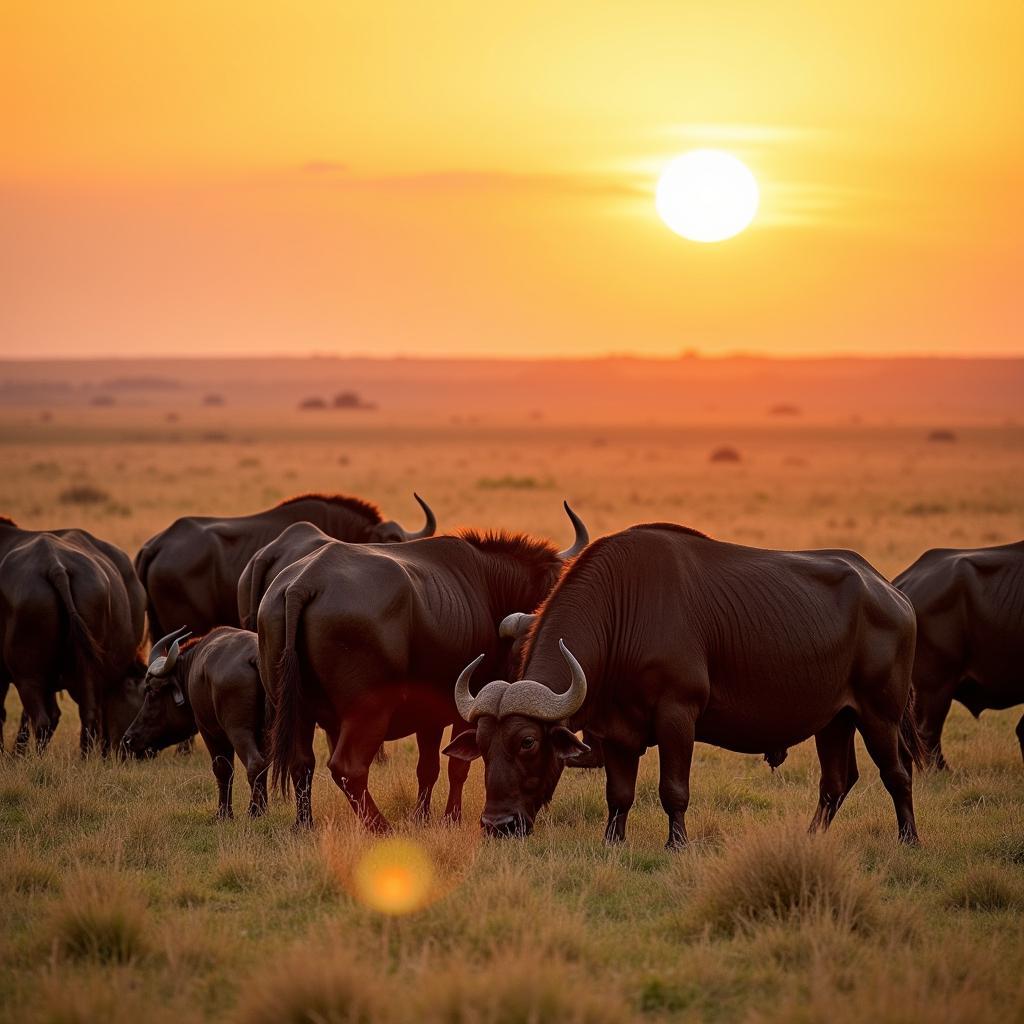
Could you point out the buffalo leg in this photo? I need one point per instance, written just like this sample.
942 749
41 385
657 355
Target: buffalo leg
931 708
458 772
621 766
1020 735
428 768
302 773
675 728
23 735
358 742
222 758
838 759
4 684
882 739
41 713
255 763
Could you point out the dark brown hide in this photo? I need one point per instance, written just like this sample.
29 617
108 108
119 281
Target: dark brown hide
191 569
686 639
970 635
364 639
214 686
293 543
71 617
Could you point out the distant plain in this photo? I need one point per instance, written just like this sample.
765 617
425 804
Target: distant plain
122 899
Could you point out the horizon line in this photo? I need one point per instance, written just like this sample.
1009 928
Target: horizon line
682 356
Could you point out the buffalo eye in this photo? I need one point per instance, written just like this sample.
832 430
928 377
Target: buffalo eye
528 743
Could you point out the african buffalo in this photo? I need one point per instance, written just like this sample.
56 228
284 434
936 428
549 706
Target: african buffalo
293 543
364 639
681 638
211 683
970 635
191 569
71 617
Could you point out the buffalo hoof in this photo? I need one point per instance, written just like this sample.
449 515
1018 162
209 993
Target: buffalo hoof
257 810
224 815
452 819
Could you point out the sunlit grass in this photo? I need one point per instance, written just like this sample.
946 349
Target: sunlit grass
122 900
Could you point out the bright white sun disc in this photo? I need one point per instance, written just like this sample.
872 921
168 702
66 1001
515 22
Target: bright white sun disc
707 195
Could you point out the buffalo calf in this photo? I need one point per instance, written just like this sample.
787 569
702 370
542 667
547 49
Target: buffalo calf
211 684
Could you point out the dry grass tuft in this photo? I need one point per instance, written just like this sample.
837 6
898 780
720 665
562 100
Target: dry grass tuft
98 995
523 990
100 918
21 871
316 990
782 874
987 887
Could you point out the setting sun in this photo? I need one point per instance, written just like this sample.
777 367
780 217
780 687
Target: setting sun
707 195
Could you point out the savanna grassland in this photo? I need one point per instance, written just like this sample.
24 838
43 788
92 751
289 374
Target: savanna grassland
122 900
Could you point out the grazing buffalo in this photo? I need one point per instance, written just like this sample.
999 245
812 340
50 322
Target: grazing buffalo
191 569
364 640
293 543
970 635
681 638
71 617
211 683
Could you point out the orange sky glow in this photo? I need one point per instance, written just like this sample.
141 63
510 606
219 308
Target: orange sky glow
469 178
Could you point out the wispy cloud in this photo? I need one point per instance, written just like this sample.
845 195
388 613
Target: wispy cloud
339 175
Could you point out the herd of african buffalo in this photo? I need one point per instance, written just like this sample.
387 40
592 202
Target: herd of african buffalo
319 612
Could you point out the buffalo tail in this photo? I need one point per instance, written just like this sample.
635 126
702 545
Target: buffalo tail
286 696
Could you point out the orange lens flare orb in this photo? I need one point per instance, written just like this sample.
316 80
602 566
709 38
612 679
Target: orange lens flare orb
707 195
394 876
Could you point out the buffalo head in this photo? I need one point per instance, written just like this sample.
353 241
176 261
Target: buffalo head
165 717
390 532
121 705
518 730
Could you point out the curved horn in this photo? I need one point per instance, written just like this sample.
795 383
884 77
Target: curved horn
582 536
535 700
515 625
163 666
429 527
464 701
159 649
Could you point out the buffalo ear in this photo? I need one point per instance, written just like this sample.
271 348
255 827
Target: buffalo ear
464 746
178 695
566 743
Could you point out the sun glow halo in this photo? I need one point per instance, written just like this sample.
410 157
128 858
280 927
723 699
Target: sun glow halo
395 876
707 195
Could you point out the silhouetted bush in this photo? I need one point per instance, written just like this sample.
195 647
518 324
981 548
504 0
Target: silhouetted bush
83 494
351 400
942 436
724 454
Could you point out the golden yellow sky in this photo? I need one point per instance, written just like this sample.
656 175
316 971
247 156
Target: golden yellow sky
214 177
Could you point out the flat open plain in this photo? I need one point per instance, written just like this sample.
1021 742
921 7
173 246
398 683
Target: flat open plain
122 900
